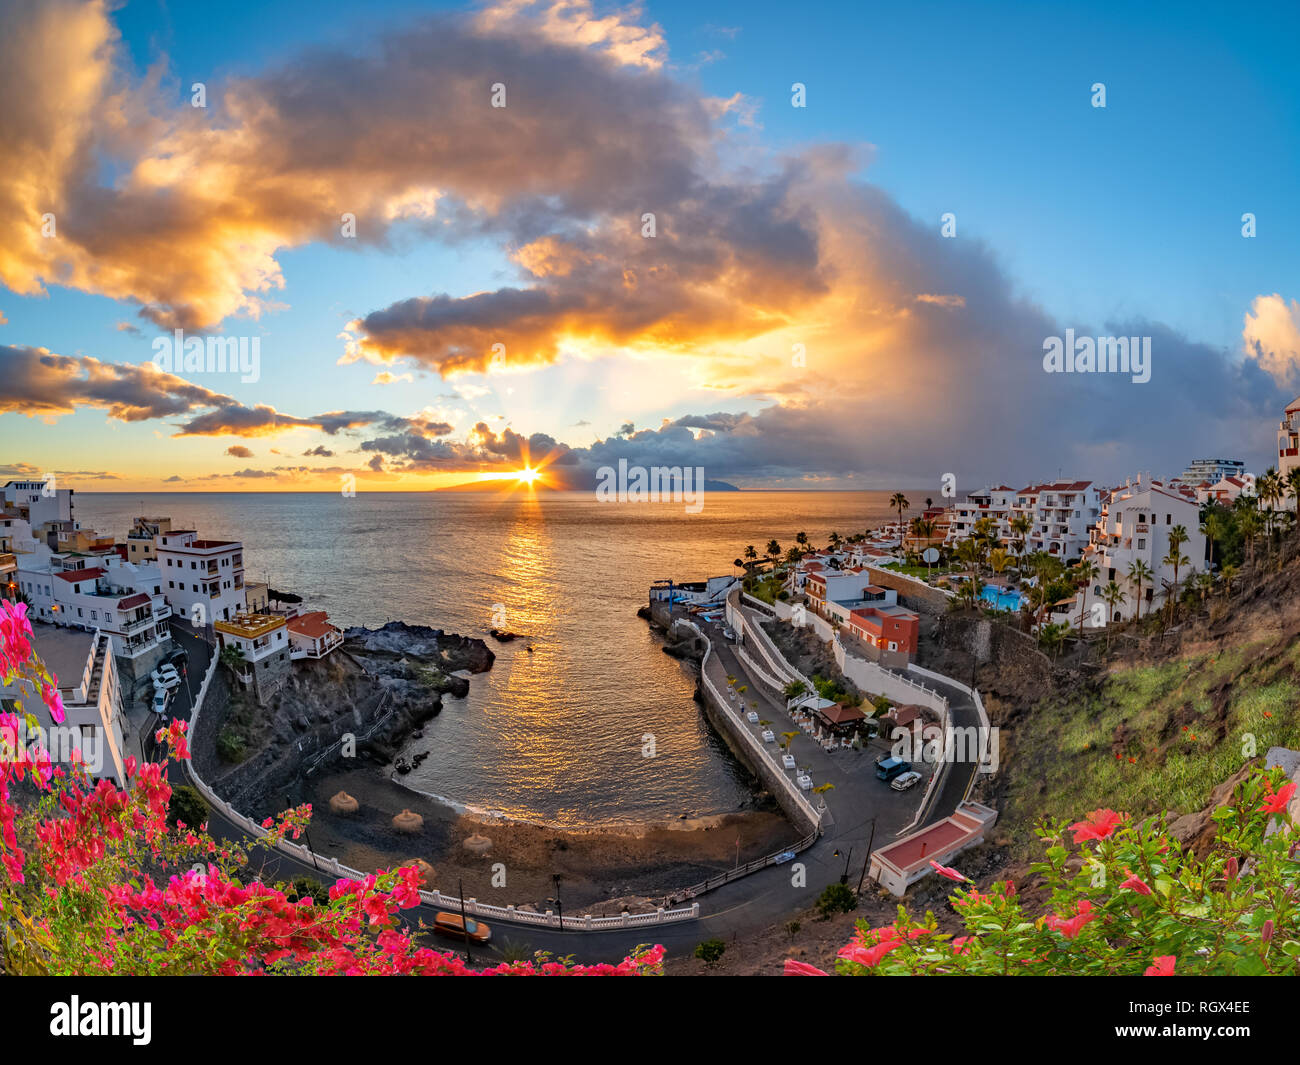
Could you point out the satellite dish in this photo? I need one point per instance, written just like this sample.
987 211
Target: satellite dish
930 555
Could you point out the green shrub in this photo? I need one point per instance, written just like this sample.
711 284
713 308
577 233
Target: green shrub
710 952
230 746
837 898
186 805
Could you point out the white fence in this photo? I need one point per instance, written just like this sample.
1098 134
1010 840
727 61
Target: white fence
431 898
754 744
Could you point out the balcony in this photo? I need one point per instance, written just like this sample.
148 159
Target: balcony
137 623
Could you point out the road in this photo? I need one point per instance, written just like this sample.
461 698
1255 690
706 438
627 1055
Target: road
858 804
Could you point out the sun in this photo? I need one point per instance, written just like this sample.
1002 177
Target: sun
527 475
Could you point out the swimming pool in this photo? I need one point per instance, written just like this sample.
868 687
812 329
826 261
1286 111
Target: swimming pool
1000 599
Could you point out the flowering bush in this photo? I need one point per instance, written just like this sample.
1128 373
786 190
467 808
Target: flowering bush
1126 899
80 891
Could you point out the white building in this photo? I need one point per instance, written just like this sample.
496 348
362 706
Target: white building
39 501
994 503
311 635
262 641
1227 490
65 592
84 668
1135 524
1063 514
203 580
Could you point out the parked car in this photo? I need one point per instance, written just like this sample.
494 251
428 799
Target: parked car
787 760
160 701
784 856
176 658
165 677
905 780
889 768
452 924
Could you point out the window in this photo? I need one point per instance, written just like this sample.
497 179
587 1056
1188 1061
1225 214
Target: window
1169 519
79 613
171 584
1141 544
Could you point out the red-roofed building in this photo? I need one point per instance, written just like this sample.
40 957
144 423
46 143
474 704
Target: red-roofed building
886 634
904 862
312 636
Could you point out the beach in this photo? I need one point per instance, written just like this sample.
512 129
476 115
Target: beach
597 865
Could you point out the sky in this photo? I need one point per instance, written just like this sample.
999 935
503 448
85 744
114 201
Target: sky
810 246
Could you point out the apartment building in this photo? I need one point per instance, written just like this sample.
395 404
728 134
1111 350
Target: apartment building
84 667
995 503
262 641
1062 514
110 597
1134 524
203 580
140 541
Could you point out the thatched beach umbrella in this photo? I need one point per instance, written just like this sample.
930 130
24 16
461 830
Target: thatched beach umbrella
344 804
478 844
407 821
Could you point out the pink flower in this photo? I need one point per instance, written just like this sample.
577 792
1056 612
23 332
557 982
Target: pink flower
1164 966
1071 927
1134 884
799 968
1277 802
950 873
1098 825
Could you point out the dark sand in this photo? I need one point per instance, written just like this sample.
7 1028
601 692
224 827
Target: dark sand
595 865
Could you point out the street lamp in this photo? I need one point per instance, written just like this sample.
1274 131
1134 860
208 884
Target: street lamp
559 906
844 876
867 859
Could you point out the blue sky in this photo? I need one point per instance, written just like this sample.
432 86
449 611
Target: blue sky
1094 216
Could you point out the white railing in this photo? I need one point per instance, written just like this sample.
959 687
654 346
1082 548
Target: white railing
759 749
583 923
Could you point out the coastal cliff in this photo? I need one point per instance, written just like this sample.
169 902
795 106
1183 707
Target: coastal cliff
363 699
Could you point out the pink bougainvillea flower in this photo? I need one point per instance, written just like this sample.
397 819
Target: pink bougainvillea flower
1135 884
800 968
1164 966
1098 825
950 873
1277 801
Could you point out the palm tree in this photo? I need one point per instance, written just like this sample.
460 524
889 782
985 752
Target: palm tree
1114 596
1139 572
1269 489
1248 522
1054 636
1293 485
1020 525
834 541
899 502
750 556
1227 574
802 540
1176 558
788 737
1215 527
999 560
773 551
232 658
1086 572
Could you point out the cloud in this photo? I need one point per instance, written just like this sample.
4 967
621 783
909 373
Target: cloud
203 199
386 378
88 475
319 450
39 383
1272 338
239 451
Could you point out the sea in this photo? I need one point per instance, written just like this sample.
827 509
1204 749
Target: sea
559 730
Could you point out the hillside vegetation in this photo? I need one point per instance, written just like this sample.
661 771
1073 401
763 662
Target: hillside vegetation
1164 725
